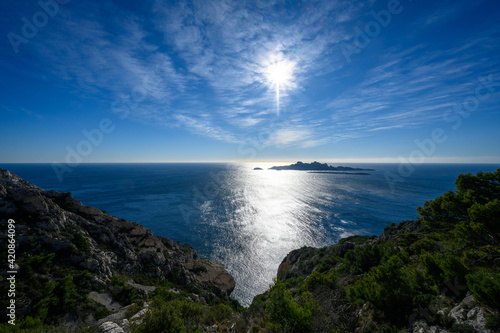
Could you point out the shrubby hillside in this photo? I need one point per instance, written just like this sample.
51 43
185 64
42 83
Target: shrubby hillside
83 270
78 268
440 273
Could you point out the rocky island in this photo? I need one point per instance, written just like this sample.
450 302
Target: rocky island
80 269
316 166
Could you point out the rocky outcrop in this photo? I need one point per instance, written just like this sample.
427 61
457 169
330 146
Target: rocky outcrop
466 316
104 245
302 262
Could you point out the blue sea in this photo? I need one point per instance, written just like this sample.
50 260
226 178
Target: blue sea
250 219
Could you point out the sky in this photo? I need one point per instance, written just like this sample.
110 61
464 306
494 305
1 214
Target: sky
189 81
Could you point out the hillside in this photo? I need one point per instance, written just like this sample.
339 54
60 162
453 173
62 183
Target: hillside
80 269
76 265
440 273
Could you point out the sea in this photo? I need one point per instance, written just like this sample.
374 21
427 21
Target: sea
247 219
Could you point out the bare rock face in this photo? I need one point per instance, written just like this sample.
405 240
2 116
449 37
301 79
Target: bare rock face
12 181
102 244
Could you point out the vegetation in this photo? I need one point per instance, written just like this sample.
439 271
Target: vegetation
421 267
362 284
174 311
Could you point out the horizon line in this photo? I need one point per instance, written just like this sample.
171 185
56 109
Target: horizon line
367 161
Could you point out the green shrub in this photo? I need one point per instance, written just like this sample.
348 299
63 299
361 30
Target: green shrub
486 286
318 279
462 328
162 317
122 292
81 241
286 313
387 288
493 322
220 312
362 258
132 310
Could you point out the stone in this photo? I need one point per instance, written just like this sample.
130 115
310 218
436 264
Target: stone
110 327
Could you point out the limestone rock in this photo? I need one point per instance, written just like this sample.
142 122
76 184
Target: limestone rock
110 327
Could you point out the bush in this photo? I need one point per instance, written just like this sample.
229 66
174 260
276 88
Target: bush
486 286
122 292
219 312
162 317
462 328
387 288
493 322
81 242
362 258
286 313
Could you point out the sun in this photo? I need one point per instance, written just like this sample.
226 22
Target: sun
279 75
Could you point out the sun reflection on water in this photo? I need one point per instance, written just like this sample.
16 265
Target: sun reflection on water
265 215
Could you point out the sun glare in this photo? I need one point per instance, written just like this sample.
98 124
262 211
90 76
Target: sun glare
279 74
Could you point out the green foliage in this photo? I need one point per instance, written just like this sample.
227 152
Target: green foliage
221 311
486 286
428 243
439 268
358 240
182 316
362 258
132 310
442 212
318 279
387 288
81 241
41 263
472 212
462 328
122 291
162 317
286 313
165 292
58 297
493 322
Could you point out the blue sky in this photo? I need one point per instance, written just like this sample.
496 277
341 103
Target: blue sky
160 81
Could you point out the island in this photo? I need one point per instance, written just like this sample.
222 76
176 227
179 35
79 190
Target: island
257 168
316 166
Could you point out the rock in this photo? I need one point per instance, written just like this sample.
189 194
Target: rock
12 181
458 313
125 324
110 327
139 314
341 249
480 319
105 299
472 313
421 326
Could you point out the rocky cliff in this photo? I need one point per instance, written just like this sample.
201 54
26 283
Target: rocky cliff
57 236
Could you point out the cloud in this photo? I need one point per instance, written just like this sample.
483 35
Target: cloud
206 129
212 56
289 137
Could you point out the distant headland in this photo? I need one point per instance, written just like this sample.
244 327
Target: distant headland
316 166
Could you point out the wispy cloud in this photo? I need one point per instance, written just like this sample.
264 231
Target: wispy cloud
212 55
